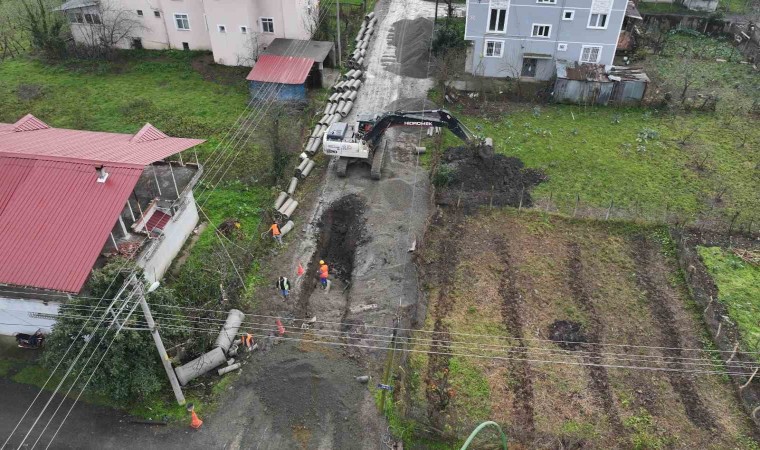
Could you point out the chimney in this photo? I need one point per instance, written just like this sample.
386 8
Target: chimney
102 174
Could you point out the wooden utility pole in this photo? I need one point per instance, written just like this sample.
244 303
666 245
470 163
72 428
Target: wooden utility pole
337 22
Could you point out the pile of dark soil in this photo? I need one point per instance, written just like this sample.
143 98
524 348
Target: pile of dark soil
410 104
567 334
412 39
342 230
469 179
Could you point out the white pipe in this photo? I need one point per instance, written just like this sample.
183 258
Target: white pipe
231 361
327 108
280 199
293 184
369 16
289 212
333 107
352 95
228 369
229 330
323 119
317 131
287 228
200 365
285 205
346 109
307 170
302 166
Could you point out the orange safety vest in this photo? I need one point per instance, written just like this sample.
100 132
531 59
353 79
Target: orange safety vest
248 340
323 271
275 229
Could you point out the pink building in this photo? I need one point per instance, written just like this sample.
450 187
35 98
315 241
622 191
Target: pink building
235 31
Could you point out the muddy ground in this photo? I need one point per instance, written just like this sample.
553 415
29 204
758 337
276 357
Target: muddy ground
550 289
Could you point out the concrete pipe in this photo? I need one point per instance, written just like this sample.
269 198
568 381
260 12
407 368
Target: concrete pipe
233 350
292 207
315 146
308 169
369 16
346 95
327 108
346 109
335 117
358 74
323 120
352 95
229 330
333 107
287 228
302 166
285 206
362 53
341 105
200 365
364 45
360 62
348 75
292 185
333 98
317 131
228 369
372 21
280 199
231 361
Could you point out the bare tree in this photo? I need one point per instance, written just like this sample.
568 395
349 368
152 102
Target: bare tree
43 26
108 26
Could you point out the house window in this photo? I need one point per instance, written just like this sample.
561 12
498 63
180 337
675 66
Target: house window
561 47
80 18
72 18
244 29
139 12
493 49
591 53
497 21
96 19
540 30
185 46
157 13
222 28
137 43
568 14
551 2
88 18
267 25
597 21
182 21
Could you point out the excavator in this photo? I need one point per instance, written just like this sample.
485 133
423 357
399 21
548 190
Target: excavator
360 142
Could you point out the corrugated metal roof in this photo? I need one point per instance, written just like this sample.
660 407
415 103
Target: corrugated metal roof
281 69
55 218
32 137
73 4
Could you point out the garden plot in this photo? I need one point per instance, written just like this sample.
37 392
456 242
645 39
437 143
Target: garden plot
527 288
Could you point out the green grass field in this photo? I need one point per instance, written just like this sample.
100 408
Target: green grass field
739 289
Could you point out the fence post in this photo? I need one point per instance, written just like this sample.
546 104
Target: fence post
609 210
522 191
577 201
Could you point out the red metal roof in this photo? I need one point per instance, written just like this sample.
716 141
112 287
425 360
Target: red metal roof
281 69
32 137
55 217
157 221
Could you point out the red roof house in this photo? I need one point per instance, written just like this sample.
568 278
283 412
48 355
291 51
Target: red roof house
62 192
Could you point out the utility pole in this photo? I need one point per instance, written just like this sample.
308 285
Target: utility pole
435 19
159 344
337 21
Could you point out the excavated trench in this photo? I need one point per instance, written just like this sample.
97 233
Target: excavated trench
341 231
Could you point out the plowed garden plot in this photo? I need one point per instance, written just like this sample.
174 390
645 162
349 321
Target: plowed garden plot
533 296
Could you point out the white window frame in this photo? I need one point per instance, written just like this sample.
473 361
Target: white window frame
572 14
598 55
187 19
540 36
597 27
562 47
494 41
221 28
261 24
546 2
488 24
244 29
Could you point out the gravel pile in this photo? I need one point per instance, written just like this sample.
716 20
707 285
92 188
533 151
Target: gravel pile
412 39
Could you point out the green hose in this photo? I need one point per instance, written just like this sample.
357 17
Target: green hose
480 427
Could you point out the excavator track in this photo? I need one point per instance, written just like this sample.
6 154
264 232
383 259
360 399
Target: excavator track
377 161
341 167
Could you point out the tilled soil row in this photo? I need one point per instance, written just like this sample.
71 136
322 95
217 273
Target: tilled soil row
657 299
599 379
524 428
437 377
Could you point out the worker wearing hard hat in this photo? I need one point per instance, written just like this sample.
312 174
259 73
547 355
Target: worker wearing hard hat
276 234
323 273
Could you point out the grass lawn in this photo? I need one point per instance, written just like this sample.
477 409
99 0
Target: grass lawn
632 156
739 289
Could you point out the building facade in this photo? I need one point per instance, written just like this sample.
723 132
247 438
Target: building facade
525 38
236 31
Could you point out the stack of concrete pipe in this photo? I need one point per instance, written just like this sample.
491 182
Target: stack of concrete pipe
362 41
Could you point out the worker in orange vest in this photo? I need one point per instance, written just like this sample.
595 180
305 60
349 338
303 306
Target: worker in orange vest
248 341
323 273
275 230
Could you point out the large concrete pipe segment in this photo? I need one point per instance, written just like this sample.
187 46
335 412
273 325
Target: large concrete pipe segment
346 109
333 107
352 95
229 330
291 208
334 97
334 118
341 104
302 166
315 146
348 75
292 186
360 62
372 20
280 199
357 74
323 120
285 206
317 133
369 16
307 170
287 228
327 108
200 365
228 369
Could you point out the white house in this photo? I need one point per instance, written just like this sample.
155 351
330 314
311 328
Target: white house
235 31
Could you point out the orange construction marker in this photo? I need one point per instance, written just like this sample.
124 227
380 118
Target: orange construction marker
280 328
195 421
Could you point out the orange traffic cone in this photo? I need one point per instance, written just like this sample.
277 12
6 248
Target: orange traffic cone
300 270
195 422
